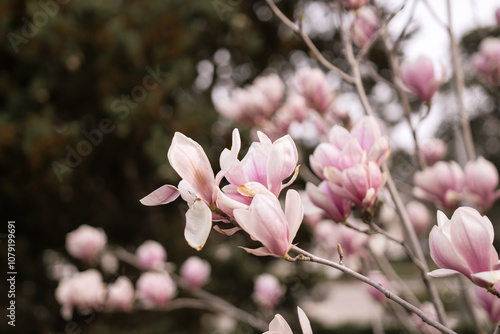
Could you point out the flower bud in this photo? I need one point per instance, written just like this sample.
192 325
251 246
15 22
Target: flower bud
487 60
419 216
364 27
195 271
433 150
267 291
151 254
419 78
481 180
85 242
120 295
312 85
155 289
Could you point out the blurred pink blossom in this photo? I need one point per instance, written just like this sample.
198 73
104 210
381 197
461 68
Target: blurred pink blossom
489 303
279 325
464 244
424 328
329 235
266 222
195 271
121 295
380 278
151 255
267 291
433 150
312 85
364 26
441 183
487 60
481 180
85 242
419 216
84 291
155 289
419 78
497 16
322 196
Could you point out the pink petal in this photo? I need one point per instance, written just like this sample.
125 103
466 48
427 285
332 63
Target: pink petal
442 273
294 213
163 195
198 224
261 251
279 325
229 158
351 155
490 277
444 254
227 231
190 161
339 136
367 132
281 162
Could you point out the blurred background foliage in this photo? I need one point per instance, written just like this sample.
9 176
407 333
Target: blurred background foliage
65 67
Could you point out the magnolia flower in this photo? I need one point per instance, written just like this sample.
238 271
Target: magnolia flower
433 150
354 4
487 60
378 277
464 244
364 27
419 78
198 186
265 221
155 289
359 183
419 216
279 325
267 291
121 295
85 242
195 271
489 303
151 254
84 291
254 103
312 85
481 180
322 196
441 183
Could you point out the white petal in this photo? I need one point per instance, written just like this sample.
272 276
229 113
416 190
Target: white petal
442 273
198 224
304 322
163 195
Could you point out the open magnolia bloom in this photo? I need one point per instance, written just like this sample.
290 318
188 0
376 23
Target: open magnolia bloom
198 186
279 325
464 244
266 222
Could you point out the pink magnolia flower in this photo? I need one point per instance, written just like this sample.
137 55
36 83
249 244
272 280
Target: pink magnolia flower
433 150
195 271
481 180
441 183
329 235
198 186
279 325
151 255
487 60
121 295
254 103
265 221
322 196
489 303
155 289
85 242
354 4
464 244
419 78
419 216
364 27
267 291
84 291
312 85
359 184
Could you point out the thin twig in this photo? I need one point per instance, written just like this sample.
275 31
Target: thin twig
389 294
296 29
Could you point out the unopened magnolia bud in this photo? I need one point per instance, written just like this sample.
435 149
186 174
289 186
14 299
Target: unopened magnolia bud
419 216
120 295
487 60
85 242
196 271
151 254
155 289
267 291
433 150
420 79
364 27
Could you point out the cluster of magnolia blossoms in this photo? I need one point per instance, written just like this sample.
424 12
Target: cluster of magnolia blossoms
249 200
349 165
87 292
446 184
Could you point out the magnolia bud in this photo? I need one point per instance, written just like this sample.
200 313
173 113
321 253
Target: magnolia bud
420 79
120 295
155 289
195 271
267 291
85 242
419 216
151 254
